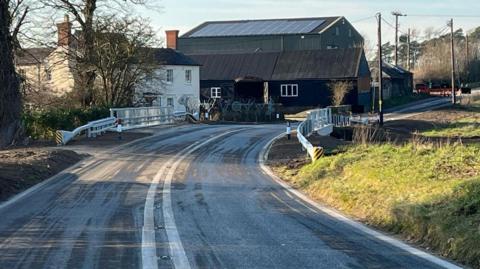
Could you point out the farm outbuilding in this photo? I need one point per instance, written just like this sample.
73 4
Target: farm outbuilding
292 62
294 79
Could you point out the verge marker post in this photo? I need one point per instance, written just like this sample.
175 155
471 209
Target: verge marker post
289 130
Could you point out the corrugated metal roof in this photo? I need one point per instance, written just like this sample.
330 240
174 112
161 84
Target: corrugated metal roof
311 64
261 27
233 66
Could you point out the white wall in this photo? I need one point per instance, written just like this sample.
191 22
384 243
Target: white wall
176 89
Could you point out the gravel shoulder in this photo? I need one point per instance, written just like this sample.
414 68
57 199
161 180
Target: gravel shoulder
24 166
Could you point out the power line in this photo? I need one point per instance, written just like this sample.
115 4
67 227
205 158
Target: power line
363 19
444 15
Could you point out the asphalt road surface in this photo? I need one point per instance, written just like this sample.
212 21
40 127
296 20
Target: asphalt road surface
190 197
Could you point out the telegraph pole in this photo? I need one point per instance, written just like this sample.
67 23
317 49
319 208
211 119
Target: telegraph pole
380 70
453 61
396 14
408 51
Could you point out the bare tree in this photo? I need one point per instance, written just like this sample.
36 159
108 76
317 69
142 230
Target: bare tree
84 12
339 90
124 59
12 17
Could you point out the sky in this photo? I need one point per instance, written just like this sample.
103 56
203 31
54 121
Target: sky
184 15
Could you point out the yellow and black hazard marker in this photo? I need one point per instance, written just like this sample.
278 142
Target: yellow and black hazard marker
317 153
59 137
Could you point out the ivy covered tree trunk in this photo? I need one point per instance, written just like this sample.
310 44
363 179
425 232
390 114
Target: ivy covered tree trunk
10 97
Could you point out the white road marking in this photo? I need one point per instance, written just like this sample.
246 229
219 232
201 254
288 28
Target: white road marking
177 252
355 224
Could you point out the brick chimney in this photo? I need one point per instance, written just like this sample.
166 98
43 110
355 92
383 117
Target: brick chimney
172 38
64 32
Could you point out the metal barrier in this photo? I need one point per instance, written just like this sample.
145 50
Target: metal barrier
139 117
93 129
318 120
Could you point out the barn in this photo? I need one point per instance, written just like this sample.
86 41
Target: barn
289 61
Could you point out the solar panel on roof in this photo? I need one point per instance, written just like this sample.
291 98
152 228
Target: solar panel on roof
246 28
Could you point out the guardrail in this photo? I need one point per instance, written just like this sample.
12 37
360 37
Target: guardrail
93 129
318 120
139 117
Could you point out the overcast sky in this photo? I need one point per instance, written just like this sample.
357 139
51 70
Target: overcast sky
186 14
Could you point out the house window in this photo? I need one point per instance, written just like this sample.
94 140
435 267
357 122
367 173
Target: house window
349 32
289 90
188 76
169 101
337 31
331 47
22 73
169 75
216 92
48 75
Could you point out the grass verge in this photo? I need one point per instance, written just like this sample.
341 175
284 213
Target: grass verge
402 100
466 125
428 193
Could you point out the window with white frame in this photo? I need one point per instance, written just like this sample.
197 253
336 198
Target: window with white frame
188 76
349 32
170 101
215 92
289 90
337 31
169 75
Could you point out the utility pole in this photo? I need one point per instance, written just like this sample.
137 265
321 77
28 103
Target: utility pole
396 14
380 70
408 51
453 61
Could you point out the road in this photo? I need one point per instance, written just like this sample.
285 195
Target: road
192 197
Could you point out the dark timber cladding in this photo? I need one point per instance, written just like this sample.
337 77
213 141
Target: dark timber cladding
310 71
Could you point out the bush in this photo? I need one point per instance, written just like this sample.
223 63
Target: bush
43 124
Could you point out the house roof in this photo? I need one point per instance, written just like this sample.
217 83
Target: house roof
261 27
172 57
32 55
292 65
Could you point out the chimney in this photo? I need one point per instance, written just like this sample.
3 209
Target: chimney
172 38
64 32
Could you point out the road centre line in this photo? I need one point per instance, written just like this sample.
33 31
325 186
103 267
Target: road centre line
177 252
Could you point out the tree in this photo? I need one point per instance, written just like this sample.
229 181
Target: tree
10 97
84 12
339 90
123 59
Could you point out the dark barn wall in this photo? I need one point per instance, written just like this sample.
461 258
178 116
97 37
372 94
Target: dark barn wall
343 40
310 93
227 87
272 43
316 93
248 44
219 45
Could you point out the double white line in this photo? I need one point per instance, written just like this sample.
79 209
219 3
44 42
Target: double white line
177 252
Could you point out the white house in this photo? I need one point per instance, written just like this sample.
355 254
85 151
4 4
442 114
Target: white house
177 82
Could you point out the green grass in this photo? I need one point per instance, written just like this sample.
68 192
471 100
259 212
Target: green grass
402 100
467 126
429 194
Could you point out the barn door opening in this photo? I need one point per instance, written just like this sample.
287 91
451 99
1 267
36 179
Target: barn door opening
249 89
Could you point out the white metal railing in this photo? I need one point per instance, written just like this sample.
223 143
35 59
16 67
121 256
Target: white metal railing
318 120
93 129
139 117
